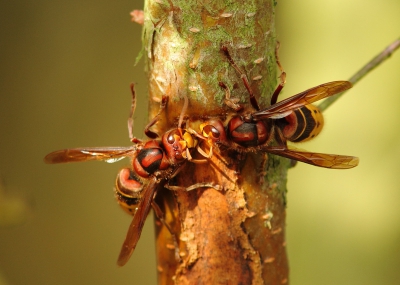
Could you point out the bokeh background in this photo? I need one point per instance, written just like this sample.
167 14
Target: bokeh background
65 73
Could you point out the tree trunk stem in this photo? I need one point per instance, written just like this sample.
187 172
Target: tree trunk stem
235 235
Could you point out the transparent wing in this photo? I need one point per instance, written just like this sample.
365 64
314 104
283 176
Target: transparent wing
334 161
109 154
285 107
136 226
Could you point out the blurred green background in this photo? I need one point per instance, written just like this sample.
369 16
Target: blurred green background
65 74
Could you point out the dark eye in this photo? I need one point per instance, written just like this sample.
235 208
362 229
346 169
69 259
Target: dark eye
171 139
215 132
211 131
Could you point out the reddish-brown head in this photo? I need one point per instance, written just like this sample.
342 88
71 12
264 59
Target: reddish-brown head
214 130
175 145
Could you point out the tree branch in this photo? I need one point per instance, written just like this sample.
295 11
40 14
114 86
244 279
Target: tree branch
377 60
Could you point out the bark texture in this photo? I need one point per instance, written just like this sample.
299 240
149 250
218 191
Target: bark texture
236 235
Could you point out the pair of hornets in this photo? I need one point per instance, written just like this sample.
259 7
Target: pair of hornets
155 161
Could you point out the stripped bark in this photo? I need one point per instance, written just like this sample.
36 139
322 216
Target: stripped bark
236 235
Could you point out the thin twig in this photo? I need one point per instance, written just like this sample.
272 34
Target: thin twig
377 60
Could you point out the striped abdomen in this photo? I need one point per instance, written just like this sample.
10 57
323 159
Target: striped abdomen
128 190
302 124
